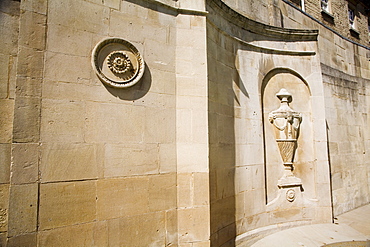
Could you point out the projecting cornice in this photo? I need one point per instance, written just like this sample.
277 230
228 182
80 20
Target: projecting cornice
252 26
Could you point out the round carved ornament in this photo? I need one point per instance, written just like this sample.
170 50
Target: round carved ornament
117 63
290 195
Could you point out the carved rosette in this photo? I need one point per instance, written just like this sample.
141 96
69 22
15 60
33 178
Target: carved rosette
290 195
286 122
117 63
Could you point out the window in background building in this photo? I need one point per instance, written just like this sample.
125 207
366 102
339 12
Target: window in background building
297 3
351 17
368 26
325 6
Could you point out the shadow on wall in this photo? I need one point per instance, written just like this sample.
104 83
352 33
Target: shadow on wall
224 93
135 92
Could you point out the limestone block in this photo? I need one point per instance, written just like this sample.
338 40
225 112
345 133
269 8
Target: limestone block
188 85
24 167
30 62
291 214
197 22
90 234
160 125
22 209
137 10
243 178
3 238
11 8
124 24
323 194
32 30
192 38
225 134
193 4
37 6
62 121
67 203
185 189
183 21
156 100
244 154
202 244
171 227
5 159
13 61
26 240
162 192
95 1
68 40
104 124
239 206
80 91
159 55
167 158
4 207
323 214
28 87
201 189
184 125
223 156
122 197
115 4
225 182
193 224
26 119
185 245
9 31
192 157
140 230
163 82
128 160
200 127
80 15
223 212
6 120
4 79
71 161
255 201
62 67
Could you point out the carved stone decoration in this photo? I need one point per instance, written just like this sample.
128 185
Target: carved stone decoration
290 195
117 63
286 122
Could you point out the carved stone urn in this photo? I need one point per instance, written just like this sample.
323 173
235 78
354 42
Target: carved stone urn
286 122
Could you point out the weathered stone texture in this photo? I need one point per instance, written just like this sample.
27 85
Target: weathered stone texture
25 163
5 159
6 120
61 204
186 157
67 161
26 240
22 209
89 234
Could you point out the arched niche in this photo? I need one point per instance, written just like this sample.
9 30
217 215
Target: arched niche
304 165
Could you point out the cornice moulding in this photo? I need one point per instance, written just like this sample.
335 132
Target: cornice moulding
250 25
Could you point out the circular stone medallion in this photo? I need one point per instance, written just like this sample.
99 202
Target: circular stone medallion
117 63
290 195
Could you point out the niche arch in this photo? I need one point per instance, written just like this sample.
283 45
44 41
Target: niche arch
304 160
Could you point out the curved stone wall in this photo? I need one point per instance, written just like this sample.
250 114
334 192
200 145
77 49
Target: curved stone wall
245 164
